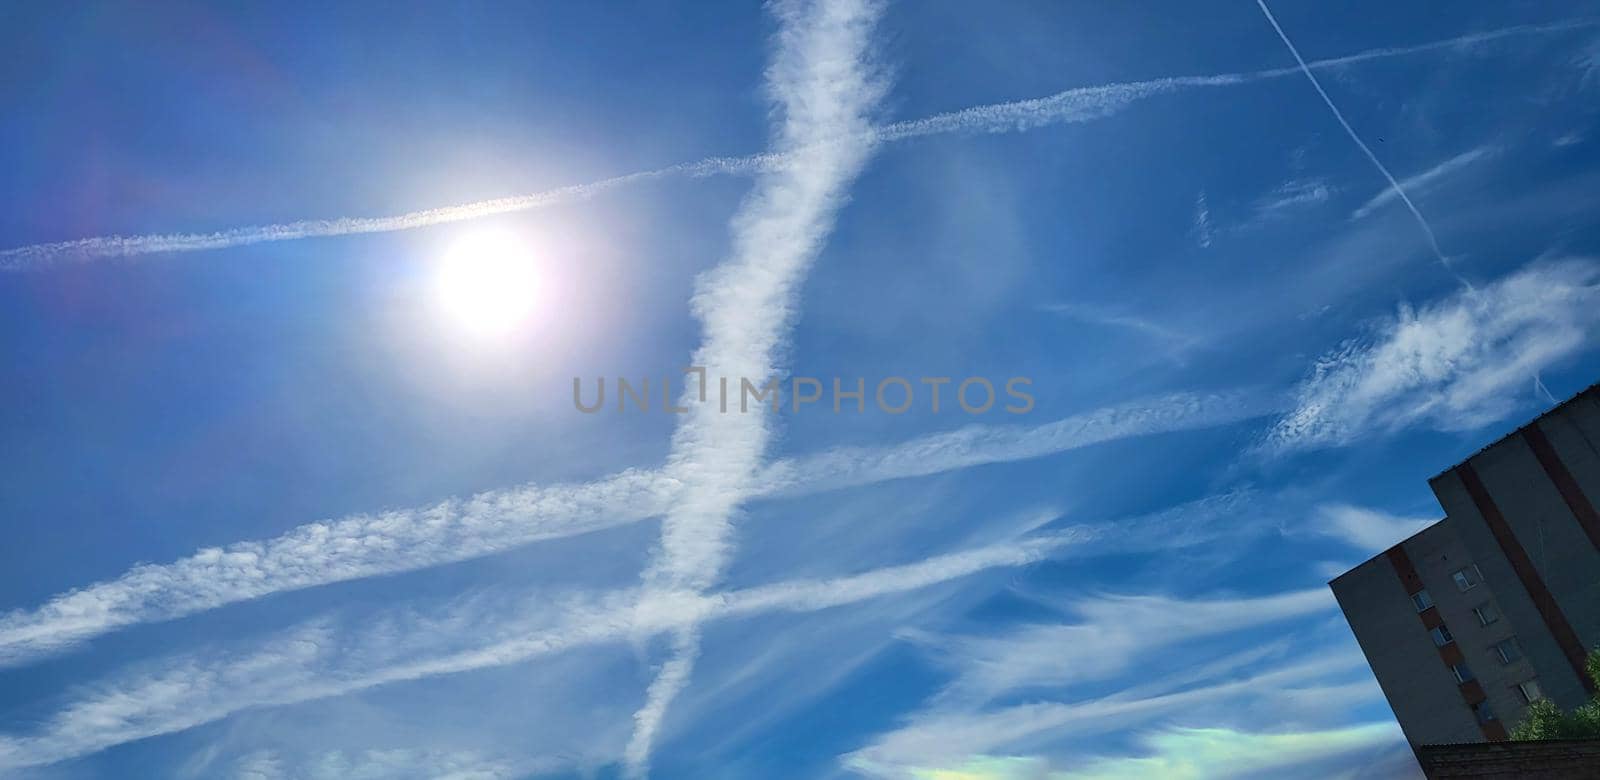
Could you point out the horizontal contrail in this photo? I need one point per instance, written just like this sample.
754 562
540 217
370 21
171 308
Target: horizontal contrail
404 540
1074 105
318 660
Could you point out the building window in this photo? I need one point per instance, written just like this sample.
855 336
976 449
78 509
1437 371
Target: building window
1468 578
1421 600
1463 674
1481 709
1530 691
1441 636
1508 650
1486 613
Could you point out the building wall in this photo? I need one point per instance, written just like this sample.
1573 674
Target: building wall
1554 595
1420 688
1573 431
1521 517
1539 646
1437 554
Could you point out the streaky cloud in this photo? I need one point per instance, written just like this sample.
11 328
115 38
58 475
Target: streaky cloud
319 659
1454 365
945 738
401 540
1081 104
1370 530
1425 179
824 87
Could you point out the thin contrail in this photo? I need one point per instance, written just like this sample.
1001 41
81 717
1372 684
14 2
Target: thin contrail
1074 105
1427 230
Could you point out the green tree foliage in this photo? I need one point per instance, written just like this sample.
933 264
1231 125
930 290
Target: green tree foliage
1546 721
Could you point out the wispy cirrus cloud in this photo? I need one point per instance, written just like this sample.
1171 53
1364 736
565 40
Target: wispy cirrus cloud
376 765
1107 635
1453 365
945 740
1293 194
1366 529
1195 753
976 718
1425 179
320 659
1073 105
1176 343
367 545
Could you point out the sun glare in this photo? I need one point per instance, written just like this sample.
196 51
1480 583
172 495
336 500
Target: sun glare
488 283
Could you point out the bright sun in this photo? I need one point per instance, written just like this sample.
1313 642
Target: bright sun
488 283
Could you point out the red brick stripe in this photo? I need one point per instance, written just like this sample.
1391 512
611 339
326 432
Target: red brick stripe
1554 618
1582 510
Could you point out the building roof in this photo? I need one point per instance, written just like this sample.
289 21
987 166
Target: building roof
1591 390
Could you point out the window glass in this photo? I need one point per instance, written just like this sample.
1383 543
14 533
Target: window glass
1467 578
1508 651
1481 709
1441 636
1463 674
1421 600
1486 613
1530 691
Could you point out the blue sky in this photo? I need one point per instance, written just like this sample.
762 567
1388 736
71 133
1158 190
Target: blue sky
272 509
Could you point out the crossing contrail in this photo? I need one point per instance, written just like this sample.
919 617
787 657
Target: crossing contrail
401 540
1422 222
318 660
1081 104
825 88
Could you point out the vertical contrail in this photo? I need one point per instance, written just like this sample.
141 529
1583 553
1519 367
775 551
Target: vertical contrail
825 88
1422 222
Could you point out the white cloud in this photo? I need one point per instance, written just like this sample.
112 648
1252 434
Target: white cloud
977 445
1111 634
1293 194
946 739
460 529
1193 753
1454 365
1177 343
1073 105
1424 180
1181 753
1368 530
1202 221
825 88
319 660
1033 673
399 763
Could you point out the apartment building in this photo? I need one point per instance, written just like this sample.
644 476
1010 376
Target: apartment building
1497 604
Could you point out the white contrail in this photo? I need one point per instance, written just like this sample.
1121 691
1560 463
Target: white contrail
403 540
1427 230
317 660
26 257
824 85
1423 180
1073 105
